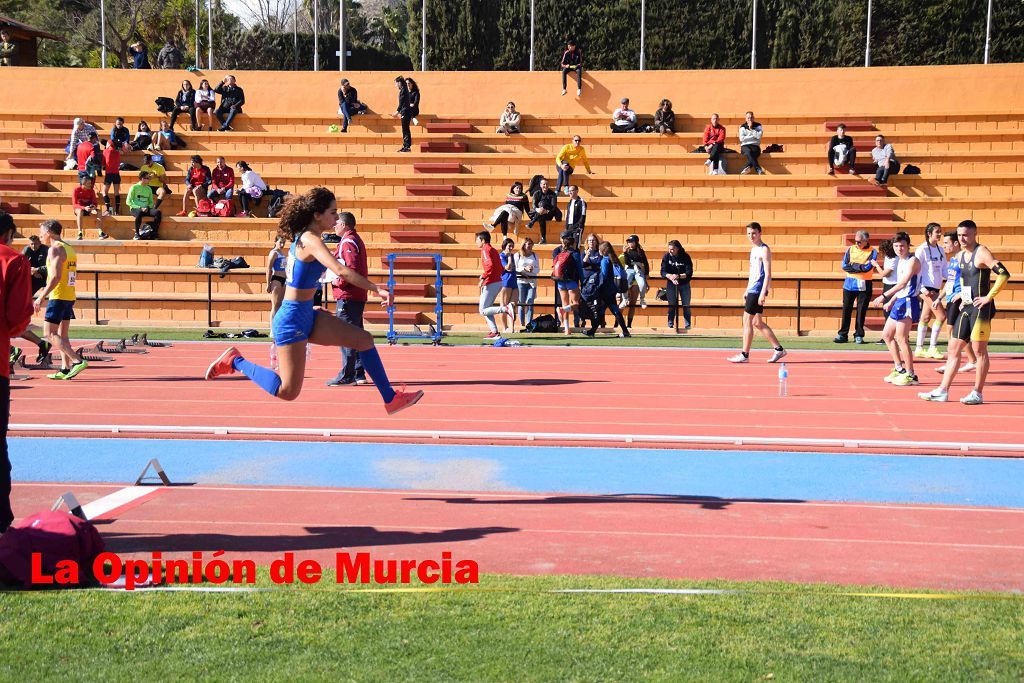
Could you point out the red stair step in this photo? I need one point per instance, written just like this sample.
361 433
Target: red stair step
447 190
15 207
411 289
866 215
410 263
861 190
46 143
37 163
63 124
874 323
428 212
450 127
443 147
851 126
22 185
401 317
438 167
419 236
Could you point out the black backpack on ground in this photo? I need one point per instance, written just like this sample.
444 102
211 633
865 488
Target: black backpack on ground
147 232
543 324
277 199
164 105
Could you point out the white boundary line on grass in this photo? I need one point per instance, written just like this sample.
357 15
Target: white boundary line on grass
438 434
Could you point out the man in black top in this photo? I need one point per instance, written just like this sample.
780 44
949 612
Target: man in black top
231 100
677 269
545 208
404 110
35 252
575 214
348 104
836 156
170 56
572 60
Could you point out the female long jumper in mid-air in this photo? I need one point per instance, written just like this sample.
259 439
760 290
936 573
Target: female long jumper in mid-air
297 323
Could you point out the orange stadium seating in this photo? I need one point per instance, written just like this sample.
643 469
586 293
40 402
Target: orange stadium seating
962 125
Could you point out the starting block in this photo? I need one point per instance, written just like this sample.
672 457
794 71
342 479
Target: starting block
119 347
46 364
143 340
93 357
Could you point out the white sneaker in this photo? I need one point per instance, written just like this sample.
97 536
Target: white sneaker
708 162
563 92
969 367
777 356
643 304
579 92
415 121
972 399
937 395
738 358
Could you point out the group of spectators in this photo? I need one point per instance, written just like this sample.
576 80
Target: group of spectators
201 105
842 154
590 280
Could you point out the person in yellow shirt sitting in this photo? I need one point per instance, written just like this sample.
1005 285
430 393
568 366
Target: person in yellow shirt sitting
566 161
157 178
62 275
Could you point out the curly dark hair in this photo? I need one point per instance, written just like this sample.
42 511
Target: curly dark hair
298 211
886 248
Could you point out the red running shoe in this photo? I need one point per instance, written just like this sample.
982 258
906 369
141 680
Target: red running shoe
225 365
403 399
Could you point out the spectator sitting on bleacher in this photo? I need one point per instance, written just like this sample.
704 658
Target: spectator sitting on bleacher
120 135
185 102
750 143
168 139
252 190
638 269
158 178
714 143
841 151
79 133
545 208
223 185
170 56
84 203
197 184
510 120
140 55
572 60
348 104
516 205
143 137
140 201
232 98
566 161
665 118
885 158
89 157
206 102
624 118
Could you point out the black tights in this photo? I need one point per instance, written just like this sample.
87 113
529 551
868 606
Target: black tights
503 222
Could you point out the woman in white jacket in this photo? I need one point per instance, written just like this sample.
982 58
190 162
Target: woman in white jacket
750 144
510 120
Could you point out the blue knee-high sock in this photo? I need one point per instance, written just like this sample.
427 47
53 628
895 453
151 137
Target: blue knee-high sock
375 369
267 379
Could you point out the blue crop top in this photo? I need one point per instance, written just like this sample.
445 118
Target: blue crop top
303 275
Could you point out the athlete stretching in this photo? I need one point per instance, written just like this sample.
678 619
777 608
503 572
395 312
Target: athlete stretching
758 287
298 323
904 309
974 324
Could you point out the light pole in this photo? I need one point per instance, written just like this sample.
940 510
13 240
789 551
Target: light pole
209 37
423 39
316 35
867 44
531 33
341 36
198 10
103 35
988 31
643 31
753 37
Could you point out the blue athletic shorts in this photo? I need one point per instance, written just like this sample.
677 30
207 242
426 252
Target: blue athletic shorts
907 308
293 322
568 285
58 310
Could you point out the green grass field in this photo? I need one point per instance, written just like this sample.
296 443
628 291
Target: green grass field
676 341
513 631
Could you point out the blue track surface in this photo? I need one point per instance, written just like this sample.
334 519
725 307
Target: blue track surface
722 474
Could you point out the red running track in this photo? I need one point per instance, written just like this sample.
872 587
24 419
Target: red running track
511 391
907 546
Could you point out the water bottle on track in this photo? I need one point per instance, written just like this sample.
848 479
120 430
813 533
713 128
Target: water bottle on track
783 381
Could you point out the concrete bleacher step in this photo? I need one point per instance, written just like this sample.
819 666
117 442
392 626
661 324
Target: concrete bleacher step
866 215
15 207
410 263
450 127
424 212
443 147
35 164
851 126
22 185
46 143
401 317
417 236
444 190
437 167
62 124
861 190
419 289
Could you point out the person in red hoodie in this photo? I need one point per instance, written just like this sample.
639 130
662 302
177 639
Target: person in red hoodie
714 143
83 200
15 314
351 299
197 182
490 282
111 177
223 182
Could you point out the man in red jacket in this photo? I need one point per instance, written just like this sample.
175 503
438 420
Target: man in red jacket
15 314
490 282
351 299
714 143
